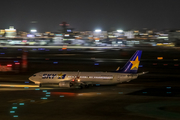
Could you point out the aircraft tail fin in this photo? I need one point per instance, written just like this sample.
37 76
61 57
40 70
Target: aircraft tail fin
133 64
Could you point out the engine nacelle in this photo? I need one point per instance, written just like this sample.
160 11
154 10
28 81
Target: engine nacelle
64 84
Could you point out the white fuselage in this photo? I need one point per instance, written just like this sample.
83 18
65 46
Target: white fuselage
103 78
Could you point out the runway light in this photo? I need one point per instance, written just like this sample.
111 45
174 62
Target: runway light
9 65
97 84
15 116
175 59
14 107
168 87
165 64
154 63
44 90
140 65
44 98
41 48
17 63
160 58
64 48
96 63
21 103
176 64
12 111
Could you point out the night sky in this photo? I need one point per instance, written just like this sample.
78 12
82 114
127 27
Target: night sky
90 14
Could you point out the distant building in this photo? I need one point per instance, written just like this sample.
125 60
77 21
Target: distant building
11 32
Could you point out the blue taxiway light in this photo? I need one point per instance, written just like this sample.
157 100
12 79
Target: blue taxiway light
48 93
144 92
12 111
15 116
44 98
19 49
97 84
37 89
41 48
21 103
96 63
15 61
120 92
140 65
98 93
168 92
44 90
26 82
14 107
2 53
55 62
168 87
61 96
14 103
26 87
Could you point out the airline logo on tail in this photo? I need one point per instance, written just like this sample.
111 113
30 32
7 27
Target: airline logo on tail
133 64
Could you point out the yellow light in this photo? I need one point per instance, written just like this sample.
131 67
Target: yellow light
160 58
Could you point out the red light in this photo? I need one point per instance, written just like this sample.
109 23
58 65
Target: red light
73 80
176 64
17 63
154 63
9 65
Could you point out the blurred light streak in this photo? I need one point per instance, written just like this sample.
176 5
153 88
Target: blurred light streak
63 93
160 58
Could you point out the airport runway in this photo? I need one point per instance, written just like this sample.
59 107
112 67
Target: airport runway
154 96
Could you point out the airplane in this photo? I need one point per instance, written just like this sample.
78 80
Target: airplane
78 79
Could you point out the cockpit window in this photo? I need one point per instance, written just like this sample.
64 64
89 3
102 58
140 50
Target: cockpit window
34 75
